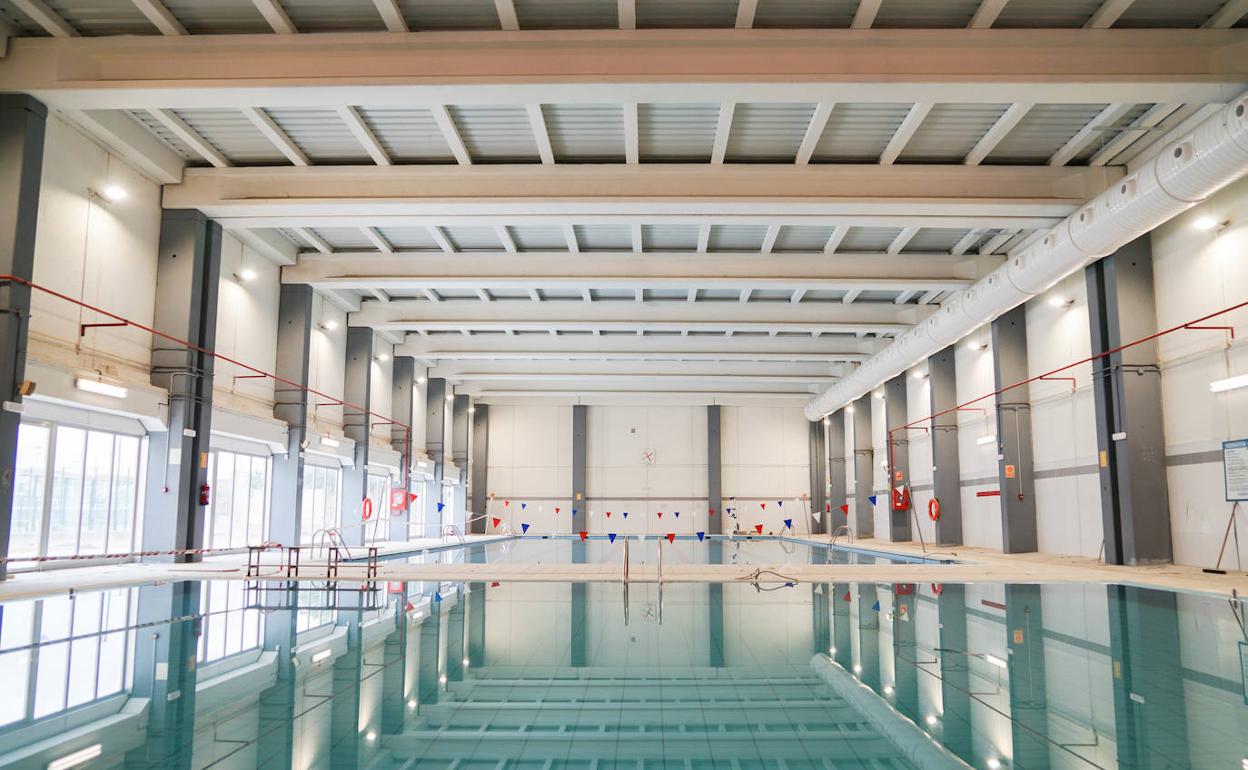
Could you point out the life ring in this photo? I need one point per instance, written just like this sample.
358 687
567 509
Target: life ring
933 509
366 511
938 588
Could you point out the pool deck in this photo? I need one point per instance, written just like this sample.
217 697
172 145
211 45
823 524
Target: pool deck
975 565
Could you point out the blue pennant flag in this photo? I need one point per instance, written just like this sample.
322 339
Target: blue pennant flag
573 511
441 506
524 528
437 596
788 524
780 503
871 498
523 506
677 514
626 514
789 585
876 606
611 537
701 536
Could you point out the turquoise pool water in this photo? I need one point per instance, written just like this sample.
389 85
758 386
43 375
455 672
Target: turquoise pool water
229 674
685 549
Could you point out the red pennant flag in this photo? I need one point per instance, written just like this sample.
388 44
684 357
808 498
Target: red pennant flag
556 510
660 514
497 521
409 607
829 507
710 511
584 535
845 509
608 514
671 538
495 584
506 503
846 598
759 527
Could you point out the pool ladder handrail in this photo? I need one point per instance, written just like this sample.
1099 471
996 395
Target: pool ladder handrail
453 529
626 580
843 529
660 581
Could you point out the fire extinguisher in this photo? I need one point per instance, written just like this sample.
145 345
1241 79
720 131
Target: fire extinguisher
203 494
901 498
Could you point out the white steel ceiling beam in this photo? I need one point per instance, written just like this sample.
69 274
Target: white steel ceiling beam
864 17
576 325
317 241
1002 66
903 238
439 237
270 244
130 140
745 13
769 240
850 296
905 132
570 348
569 235
275 15
1108 13
1001 129
378 240
537 122
160 17
965 243
1097 127
1141 128
484 295
997 241
814 131
389 12
364 135
986 14
626 10
640 379
507 15
723 127
450 133
45 17
191 137
504 237
632 140
1228 15
834 240
635 237
704 238
274 133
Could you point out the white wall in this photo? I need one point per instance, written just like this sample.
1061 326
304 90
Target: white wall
246 329
977 463
327 366
765 459
1197 273
530 463
918 407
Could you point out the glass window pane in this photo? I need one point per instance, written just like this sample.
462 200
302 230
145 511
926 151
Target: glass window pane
331 498
112 663
14 670
87 613
50 678
125 494
318 501
54 621
16 624
242 496
67 471
96 492
84 662
222 498
116 608
257 521
28 489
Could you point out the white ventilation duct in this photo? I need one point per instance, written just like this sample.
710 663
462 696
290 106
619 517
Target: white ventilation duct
1185 172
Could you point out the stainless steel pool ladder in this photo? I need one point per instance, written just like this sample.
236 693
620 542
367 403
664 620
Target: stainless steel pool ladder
626 580
843 529
660 581
451 529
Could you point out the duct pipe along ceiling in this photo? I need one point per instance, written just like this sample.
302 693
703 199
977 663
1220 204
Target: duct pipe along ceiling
1185 172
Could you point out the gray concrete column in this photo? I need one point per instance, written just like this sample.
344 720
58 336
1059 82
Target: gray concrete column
394 692
946 472
895 416
435 447
22 121
1150 701
861 512
820 613
715 610
580 456
1126 386
427 685
480 466
869 635
357 389
956 731
290 405
401 438
455 627
461 424
188 272
1029 718
842 650
838 481
1014 452
275 740
165 674
476 624
346 744
818 477
714 473
905 652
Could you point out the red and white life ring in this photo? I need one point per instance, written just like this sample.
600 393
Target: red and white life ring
366 510
933 509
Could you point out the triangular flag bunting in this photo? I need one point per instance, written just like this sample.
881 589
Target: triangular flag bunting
763 506
845 509
660 514
759 527
710 511
584 535
506 503
497 521
788 524
846 598
829 507
671 538
676 514
441 506
626 514
437 596
523 506
871 498
611 537
876 606
409 607
524 528
556 510
780 503
701 536
573 511
815 516
608 514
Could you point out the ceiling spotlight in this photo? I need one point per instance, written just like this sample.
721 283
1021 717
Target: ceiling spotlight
100 388
450 396
330 325
247 274
420 380
383 357
931 720
920 375
1209 224
113 193
1060 301
976 346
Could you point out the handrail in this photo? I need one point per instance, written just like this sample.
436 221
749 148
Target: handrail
452 529
660 581
844 528
626 580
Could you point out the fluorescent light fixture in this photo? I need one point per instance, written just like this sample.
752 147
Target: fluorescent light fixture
994 660
920 375
247 274
113 193
324 654
986 440
330 325
330 442
442 679
831 650
471 409
975 346
878 394
100 388
1230 383
80 757
931 720
850 409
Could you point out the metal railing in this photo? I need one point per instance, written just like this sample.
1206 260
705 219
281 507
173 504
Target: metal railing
843 529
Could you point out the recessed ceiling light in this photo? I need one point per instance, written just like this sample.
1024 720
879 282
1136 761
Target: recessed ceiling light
330 325
1208 224
114 193
384 357
100 388
247 274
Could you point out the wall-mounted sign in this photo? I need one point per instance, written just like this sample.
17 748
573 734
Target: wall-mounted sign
1235 469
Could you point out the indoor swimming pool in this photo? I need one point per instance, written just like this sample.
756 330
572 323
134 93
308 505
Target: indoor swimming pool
605 675
682 549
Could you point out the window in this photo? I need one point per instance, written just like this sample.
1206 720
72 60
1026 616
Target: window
317 613
377 529
237 514
228 626
76 648
76 491
320 501
416 513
